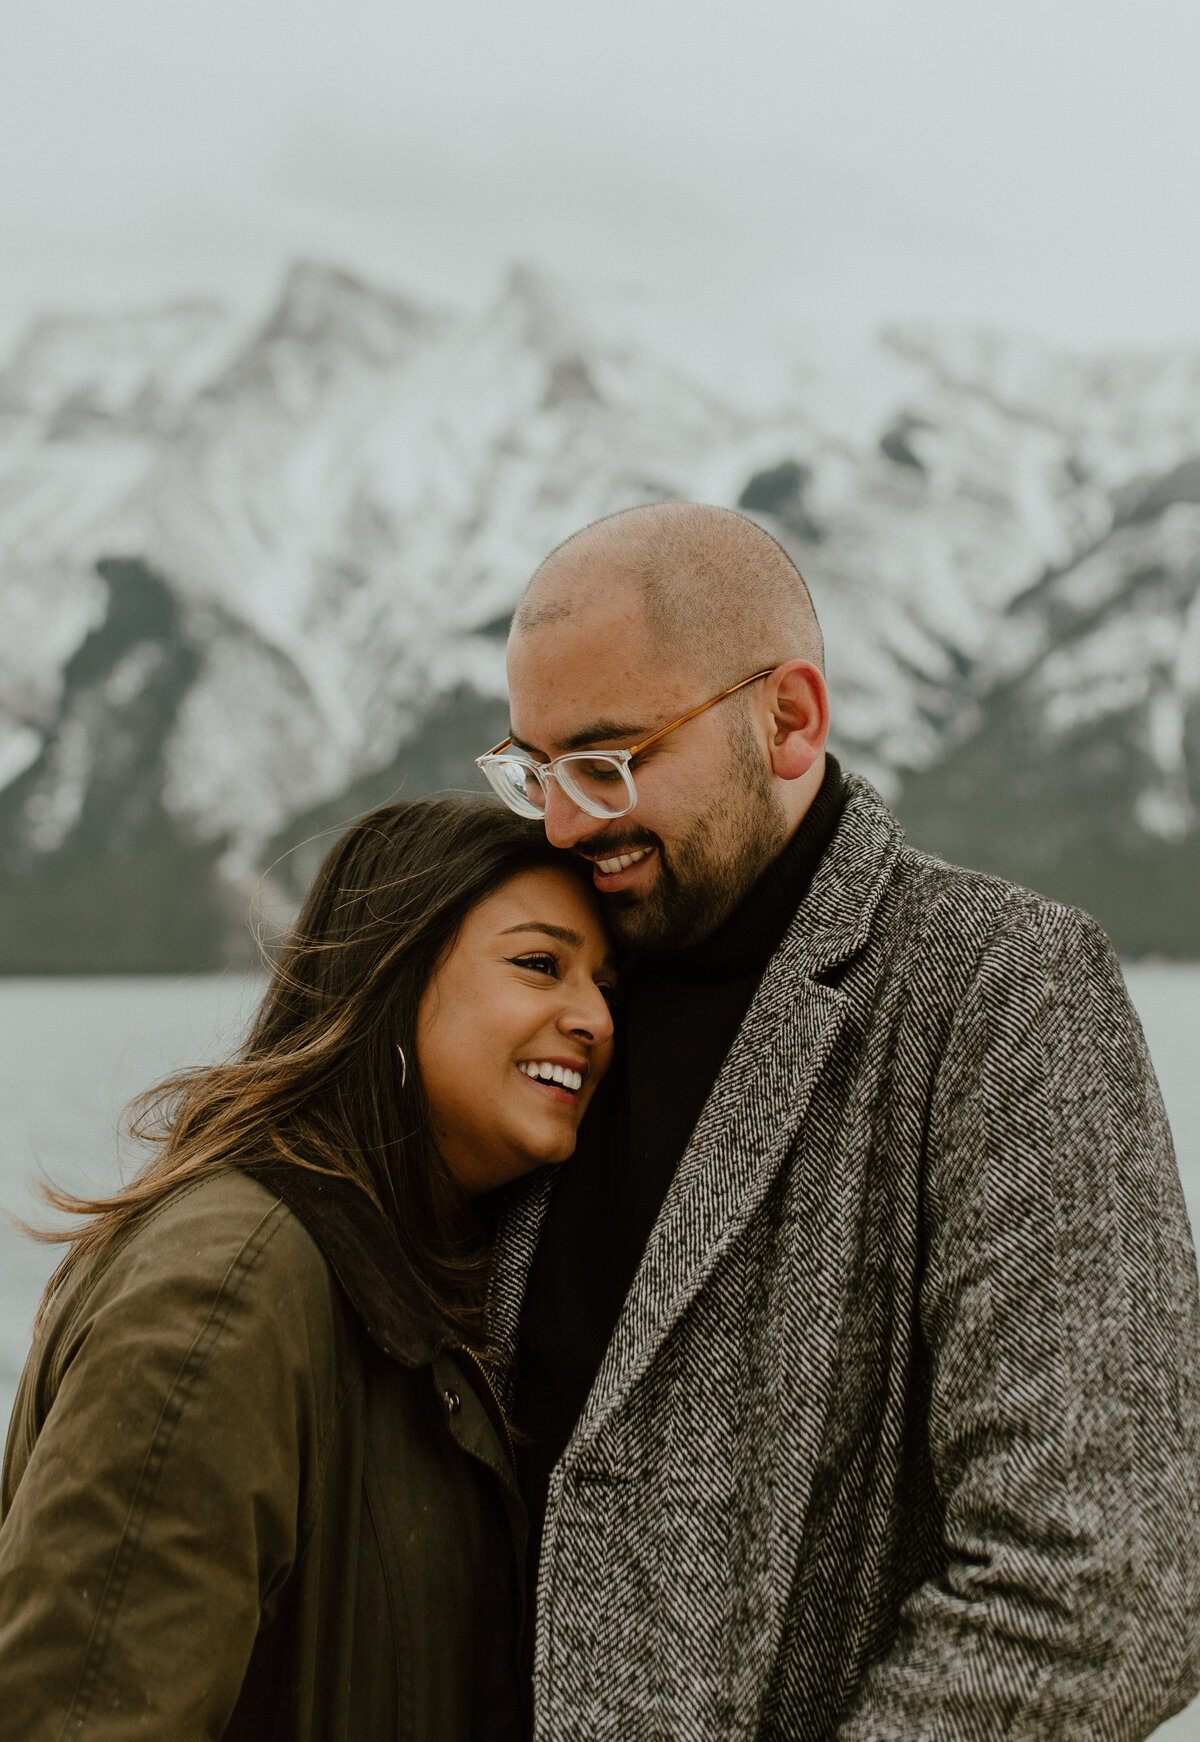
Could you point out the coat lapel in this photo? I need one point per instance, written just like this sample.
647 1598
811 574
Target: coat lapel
518 1230
757 1103
741 1138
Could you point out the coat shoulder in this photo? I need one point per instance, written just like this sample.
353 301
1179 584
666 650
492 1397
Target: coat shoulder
205 1229
893 906
224 1245
955 910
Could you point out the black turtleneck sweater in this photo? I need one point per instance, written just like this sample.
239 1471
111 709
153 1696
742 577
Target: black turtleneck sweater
680 1012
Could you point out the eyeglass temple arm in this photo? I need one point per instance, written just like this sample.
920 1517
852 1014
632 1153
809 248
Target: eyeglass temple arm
636 749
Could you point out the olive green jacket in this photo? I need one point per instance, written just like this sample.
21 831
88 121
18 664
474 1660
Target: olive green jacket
243 1497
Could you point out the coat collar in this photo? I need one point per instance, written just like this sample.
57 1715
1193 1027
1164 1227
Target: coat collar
835 917
362 1252
747 1123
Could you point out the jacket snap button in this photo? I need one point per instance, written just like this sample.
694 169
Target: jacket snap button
452 1401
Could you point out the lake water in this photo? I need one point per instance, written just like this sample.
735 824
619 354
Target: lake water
72 1052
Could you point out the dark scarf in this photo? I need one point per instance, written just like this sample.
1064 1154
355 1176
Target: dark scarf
680 1013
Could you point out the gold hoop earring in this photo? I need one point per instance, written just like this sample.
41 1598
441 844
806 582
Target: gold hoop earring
403 1065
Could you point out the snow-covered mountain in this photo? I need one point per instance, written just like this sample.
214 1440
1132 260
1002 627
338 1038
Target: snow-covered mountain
252 582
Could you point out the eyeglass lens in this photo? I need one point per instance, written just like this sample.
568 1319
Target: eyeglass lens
600 786
517 785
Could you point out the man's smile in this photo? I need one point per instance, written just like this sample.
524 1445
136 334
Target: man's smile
616 870
622 862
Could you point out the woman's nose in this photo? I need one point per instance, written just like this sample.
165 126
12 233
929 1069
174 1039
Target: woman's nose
588 1017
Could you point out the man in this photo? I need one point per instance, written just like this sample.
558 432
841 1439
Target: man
857 1360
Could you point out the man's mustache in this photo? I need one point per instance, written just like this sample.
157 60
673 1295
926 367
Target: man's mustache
608 846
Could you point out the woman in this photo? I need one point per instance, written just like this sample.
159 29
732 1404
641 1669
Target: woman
257 1483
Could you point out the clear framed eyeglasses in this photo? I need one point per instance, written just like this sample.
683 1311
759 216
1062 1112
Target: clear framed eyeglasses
598 781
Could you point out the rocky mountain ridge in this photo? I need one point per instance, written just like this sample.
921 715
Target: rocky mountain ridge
251 582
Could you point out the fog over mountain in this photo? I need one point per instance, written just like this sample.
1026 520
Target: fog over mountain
252 582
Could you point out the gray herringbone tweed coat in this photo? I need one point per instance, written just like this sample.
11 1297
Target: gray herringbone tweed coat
896 1436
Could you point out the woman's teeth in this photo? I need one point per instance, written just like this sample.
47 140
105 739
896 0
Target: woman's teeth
560 1074
622 861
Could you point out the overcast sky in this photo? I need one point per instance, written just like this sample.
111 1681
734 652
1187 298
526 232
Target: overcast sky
1033 164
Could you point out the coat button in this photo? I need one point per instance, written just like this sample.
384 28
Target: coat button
452 1401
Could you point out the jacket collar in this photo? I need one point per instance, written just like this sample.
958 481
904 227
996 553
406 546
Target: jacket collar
363 1254
835 917
748 1121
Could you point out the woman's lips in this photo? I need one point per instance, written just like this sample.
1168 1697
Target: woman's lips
556 1092
563 1093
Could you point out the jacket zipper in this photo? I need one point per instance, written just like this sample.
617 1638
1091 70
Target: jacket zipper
491 1391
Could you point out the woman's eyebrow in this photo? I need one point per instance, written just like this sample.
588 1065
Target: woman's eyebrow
562 933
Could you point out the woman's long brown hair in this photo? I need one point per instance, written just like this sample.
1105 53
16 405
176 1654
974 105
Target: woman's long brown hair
327 1079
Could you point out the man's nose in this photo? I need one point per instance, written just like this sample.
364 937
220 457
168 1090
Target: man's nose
566 824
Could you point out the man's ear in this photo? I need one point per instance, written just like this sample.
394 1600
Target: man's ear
798 706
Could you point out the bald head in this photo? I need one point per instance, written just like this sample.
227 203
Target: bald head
627 639
715 591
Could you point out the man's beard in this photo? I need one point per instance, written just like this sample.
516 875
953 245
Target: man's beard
705 875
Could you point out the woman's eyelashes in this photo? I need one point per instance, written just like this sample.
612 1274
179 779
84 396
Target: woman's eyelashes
547 963
542 962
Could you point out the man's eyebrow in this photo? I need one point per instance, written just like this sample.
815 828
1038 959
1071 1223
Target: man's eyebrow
562 933
599 732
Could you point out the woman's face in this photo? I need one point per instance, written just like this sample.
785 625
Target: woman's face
514 1030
